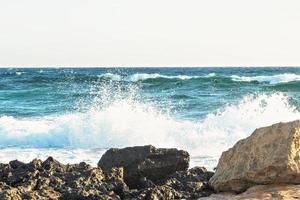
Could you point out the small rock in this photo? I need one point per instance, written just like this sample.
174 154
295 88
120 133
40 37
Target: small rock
159 193
16 164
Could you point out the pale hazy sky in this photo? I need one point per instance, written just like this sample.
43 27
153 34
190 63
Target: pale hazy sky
149 33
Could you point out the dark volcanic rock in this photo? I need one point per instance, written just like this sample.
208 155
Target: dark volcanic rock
145 161
193 183
15 164
159 192
53 180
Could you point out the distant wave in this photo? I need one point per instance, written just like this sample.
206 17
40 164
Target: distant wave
271 79
141 77
274 79
145 76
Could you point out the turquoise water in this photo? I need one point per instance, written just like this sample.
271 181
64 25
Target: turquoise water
78 113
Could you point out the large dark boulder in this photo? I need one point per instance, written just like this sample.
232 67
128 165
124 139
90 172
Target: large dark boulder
145 161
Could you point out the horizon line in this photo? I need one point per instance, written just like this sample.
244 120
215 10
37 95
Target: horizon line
94 66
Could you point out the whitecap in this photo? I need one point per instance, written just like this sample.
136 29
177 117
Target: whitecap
114 77
143 76
274 79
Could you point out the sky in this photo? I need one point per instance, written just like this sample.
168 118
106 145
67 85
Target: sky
111 33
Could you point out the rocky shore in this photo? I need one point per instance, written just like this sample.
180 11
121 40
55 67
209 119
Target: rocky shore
266 165
143 172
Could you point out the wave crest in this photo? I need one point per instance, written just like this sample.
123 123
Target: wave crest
141 77
271 79
114 77
145 76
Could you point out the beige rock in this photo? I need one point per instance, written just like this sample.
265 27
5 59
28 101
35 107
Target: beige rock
262 192
271 155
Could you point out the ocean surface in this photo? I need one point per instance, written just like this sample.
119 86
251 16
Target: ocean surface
76 114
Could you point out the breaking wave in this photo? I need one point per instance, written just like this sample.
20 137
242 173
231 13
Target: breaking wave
125 122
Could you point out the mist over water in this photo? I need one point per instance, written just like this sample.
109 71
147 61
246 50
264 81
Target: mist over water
76 114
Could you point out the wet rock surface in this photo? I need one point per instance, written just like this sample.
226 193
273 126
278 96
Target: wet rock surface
51 179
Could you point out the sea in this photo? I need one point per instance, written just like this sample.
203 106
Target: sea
76 114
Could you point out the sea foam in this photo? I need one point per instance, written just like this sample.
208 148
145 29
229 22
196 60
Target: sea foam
128 123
